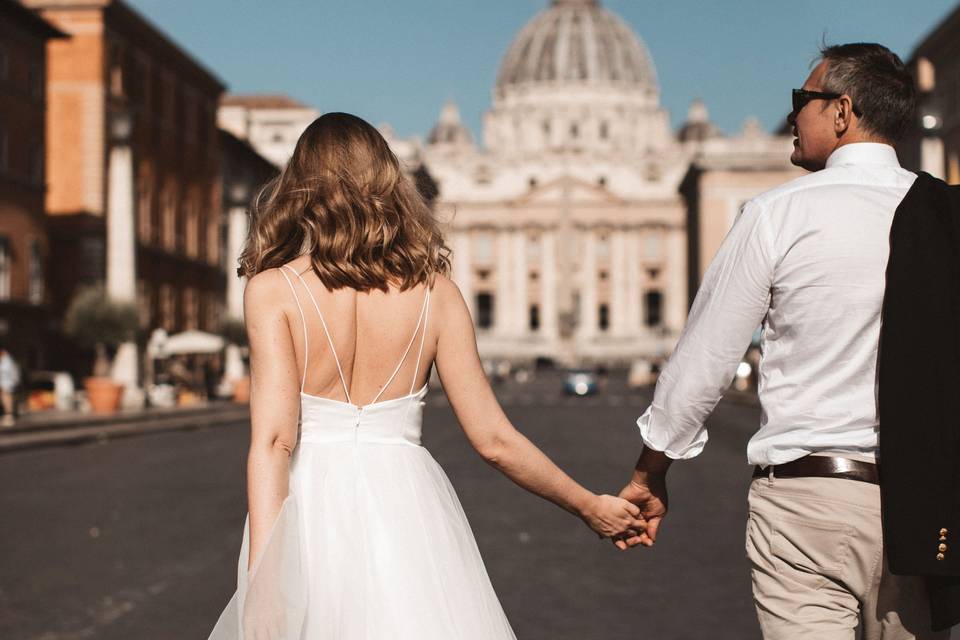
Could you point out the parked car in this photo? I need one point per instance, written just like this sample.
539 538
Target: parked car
580 382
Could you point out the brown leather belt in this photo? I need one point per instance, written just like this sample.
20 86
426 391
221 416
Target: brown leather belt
822 467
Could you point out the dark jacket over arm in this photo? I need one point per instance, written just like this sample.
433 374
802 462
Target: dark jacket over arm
919 387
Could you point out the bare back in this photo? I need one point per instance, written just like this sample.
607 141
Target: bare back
356 347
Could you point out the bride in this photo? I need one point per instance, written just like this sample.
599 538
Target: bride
353 531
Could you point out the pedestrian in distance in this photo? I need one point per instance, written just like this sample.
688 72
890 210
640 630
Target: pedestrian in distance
353 531
853 273
9 379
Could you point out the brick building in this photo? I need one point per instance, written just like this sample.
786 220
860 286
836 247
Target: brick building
24 313
116 70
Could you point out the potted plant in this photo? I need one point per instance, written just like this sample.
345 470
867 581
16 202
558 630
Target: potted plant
95 321
234 332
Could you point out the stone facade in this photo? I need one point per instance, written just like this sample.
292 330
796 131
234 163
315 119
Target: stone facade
24 250
575 233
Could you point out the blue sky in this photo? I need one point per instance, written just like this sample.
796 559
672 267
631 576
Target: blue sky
397 61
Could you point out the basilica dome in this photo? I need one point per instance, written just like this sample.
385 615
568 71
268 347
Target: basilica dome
577 42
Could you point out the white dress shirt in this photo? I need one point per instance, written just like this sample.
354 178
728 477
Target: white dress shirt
808 261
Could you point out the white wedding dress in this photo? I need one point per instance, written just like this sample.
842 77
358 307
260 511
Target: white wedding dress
371 543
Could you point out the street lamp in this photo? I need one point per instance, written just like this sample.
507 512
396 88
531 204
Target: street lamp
121 125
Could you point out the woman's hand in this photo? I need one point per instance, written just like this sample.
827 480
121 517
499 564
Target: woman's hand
612 517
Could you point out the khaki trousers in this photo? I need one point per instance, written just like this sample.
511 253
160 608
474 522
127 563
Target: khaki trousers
816 550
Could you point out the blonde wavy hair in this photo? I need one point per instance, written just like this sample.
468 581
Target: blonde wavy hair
344 199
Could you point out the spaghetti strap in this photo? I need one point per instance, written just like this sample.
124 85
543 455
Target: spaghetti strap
423 339
303 320
403 358
333 350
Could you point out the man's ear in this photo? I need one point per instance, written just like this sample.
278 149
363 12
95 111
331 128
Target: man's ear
843 117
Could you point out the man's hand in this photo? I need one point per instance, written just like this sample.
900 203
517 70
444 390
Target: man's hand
651 497
648 490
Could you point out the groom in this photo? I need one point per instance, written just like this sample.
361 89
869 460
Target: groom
808 261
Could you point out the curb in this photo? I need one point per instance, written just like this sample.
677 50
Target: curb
50 436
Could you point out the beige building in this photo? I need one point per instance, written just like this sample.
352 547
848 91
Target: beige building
581 226
271 124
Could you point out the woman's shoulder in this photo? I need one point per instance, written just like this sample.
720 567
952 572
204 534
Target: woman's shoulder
266 289
445 290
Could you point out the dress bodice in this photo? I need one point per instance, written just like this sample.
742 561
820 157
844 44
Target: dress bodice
328 421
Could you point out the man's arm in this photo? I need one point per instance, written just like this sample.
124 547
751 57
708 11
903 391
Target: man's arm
729 306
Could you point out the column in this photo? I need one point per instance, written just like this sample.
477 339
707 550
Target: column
633 282
618 282
121 241
520 303
675 297
236 234
548 284
462 271
588 286
502 303
121 263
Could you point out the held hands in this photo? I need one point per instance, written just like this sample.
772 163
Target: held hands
649 494
613 517
647 490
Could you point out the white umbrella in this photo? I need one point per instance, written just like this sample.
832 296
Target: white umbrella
191 342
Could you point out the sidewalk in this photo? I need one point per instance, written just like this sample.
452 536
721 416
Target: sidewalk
53 428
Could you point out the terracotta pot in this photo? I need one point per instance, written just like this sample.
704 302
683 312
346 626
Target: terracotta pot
103 393
241 390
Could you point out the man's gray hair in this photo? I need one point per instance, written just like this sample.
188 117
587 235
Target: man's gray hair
878 83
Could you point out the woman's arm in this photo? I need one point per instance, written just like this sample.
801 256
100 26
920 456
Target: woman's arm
274 403
493 436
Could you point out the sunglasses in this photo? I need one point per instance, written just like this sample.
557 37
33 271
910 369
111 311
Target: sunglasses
801 97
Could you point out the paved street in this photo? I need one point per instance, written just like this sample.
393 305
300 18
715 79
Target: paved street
139 537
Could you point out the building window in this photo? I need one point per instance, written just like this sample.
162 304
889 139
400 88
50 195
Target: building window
192 231
168 310
191 308
546 129
143 303
604 130
602 181
145 205
213 312
574 131
603 246
168 216
484 310
35 273
116 73
6 260
35 160
653 308
603 317
533 248
534 317
483 249
213 248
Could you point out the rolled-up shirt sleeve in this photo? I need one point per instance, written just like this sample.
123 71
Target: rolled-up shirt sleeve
730 304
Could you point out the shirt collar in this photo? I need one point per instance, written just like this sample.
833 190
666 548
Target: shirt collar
864 153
